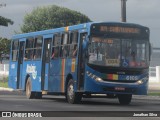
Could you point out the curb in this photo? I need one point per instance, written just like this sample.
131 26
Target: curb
146 97
6 89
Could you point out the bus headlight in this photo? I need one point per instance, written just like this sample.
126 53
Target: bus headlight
140 82
98 79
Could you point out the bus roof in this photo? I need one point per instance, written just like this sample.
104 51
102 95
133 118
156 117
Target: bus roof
74 27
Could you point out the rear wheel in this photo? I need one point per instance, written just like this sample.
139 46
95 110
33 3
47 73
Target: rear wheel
29 93
72 96
38 95
111 96
124 99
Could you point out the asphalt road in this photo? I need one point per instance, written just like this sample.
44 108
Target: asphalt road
57 106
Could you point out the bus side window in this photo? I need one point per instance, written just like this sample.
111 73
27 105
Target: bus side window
29 49
64 45
15 45
38 47
73 44
74 54
55 48
55 51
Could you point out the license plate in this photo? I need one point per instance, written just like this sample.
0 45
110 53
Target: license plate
119 88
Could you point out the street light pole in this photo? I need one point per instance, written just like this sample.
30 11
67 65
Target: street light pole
123 10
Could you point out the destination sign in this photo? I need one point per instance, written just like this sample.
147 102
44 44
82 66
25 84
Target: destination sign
118 29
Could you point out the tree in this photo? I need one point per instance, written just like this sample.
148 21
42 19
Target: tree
5 21
4 47
50 17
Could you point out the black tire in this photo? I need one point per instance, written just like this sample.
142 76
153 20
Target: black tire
111 95
38 95
124 99
71 96
29 93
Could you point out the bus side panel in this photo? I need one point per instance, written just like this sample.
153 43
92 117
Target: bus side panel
71 68
33 69
12 82
24 75
59 69
54 78
46 76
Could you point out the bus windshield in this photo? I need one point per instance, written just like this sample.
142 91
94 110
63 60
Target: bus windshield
116 52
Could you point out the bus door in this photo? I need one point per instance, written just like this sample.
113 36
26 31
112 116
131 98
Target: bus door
81 61
46 61
20 64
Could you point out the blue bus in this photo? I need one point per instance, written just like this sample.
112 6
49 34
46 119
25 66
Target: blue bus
109 58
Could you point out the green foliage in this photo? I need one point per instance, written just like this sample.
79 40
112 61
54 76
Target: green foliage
50 17
4 46
4 82
5 21
154 93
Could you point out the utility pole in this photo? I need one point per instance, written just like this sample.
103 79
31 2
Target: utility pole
123 10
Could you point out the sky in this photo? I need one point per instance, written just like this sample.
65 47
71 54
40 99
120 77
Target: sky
144 12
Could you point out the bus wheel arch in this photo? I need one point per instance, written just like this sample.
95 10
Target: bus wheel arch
69 76
27 76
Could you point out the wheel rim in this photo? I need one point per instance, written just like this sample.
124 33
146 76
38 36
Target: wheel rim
70 91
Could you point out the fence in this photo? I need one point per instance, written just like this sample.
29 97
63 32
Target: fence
154 72
4 69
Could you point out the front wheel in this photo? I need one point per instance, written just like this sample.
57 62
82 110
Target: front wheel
72 96
124 99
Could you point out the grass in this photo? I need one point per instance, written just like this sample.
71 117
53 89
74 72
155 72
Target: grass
4 82
154 94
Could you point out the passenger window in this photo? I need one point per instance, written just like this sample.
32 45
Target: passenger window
15 45
29 49
55 46
64 45
73 44
38 47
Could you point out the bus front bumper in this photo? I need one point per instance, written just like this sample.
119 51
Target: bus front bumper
99 86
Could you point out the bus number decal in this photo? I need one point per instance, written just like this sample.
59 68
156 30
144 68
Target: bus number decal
131 77
112 62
